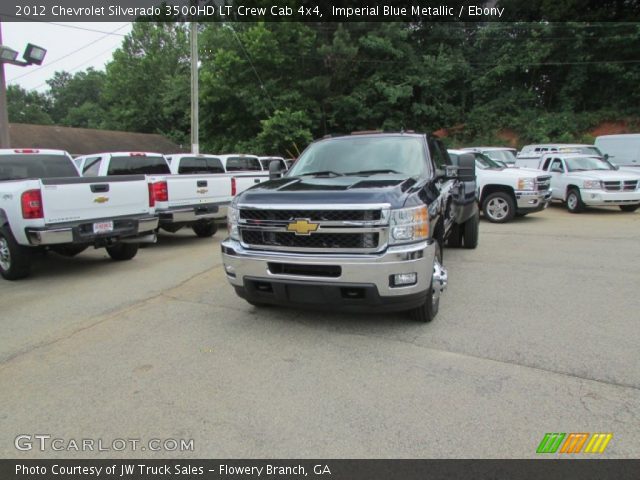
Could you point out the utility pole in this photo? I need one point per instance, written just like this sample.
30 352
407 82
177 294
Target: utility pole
195 142
4 112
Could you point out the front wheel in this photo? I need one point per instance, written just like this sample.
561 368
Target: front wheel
204 230
123 251
499 207
574 201
471 231
629 208
429 309
15 260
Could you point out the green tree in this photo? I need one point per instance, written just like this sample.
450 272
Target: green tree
28 106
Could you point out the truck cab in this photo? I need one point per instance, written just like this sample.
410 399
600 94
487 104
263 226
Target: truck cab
358 223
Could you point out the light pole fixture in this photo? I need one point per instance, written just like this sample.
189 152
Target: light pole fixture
33 55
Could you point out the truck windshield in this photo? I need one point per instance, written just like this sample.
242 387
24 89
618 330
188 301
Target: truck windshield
20 166
484 162
243 164
138 165
200 165
577 164
366 155
505 156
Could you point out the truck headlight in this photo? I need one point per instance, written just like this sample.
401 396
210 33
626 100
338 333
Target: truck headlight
592 185
526 184
409 225
233 215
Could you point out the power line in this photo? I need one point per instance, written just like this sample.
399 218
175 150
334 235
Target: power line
85 29
53 62
253 67
81 65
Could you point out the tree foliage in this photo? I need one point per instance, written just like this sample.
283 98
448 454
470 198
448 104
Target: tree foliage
271 87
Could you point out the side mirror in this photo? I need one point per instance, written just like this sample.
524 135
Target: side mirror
467 167
274 170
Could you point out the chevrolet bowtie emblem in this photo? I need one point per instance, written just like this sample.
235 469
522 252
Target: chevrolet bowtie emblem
202 190
302 226
101 199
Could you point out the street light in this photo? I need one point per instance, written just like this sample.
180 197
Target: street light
7 54
33 55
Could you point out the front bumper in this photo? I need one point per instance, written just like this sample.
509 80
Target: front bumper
192 214
82 233
602 198
532 201
346 282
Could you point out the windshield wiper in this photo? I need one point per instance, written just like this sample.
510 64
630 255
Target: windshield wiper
372 172
323 172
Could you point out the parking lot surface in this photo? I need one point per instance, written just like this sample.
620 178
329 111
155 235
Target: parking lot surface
537 332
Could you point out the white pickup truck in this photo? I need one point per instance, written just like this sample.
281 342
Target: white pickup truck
504 193
196 200
245 170
44 203
581 180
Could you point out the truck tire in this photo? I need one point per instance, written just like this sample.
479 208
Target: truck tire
123 251
574 201
499 207
471 230
205 229
629 208
15 260
429 309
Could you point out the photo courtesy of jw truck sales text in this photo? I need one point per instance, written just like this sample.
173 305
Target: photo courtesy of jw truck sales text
301 240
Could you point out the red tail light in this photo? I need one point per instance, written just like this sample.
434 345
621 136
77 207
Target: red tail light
234 188
26 150
152 195
32 204
160 192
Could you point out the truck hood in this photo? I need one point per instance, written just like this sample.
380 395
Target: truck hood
511 173
606 175
373 189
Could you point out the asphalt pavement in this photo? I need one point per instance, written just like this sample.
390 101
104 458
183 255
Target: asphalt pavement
537 332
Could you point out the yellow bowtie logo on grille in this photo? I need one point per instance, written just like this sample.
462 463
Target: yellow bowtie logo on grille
302 226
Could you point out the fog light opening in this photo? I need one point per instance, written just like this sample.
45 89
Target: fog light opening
403 279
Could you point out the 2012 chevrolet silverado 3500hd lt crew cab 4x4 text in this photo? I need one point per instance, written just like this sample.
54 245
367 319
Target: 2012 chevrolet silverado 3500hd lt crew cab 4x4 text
358 223
44 203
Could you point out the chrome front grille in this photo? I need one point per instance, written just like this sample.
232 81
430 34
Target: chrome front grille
313 215
543 183
322 229
621 186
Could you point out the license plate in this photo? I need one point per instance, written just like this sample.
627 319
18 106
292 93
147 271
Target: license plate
103 227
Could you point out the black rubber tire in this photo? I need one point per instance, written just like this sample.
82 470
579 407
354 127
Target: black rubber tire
629 208
123 251
16 259
428 310
455 236
471 230
506 200
204 230
578 205
69 250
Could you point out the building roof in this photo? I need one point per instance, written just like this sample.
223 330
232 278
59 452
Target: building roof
83 141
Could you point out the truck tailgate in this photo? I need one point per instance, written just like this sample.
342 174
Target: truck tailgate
89 198
198 189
